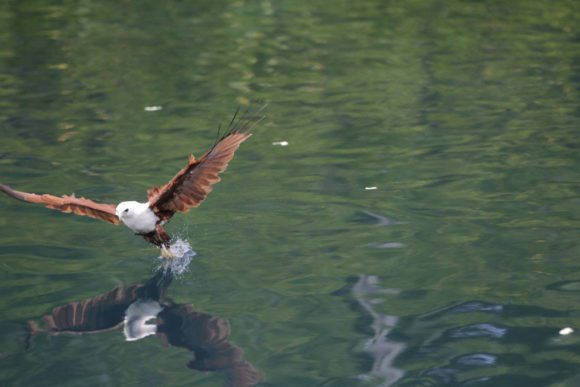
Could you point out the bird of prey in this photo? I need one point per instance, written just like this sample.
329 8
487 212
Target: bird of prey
186 190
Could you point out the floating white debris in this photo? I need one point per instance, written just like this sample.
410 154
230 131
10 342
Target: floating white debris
389 245
566 331
371 188
153 108
281 143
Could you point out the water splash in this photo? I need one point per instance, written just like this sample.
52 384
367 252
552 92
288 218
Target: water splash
182 256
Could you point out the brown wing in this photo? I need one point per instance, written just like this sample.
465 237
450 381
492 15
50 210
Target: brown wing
190 186
194 182
79 206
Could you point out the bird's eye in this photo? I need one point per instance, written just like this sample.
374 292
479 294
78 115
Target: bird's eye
126 210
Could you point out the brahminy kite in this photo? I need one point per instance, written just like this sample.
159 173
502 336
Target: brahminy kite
186 190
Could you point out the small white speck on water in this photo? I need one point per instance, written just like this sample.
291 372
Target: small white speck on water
152 108
371 188
388 245
280 143
566 331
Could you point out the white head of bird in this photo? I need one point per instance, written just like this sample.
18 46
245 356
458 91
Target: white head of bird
137 216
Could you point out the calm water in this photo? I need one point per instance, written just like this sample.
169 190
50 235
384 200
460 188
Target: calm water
460 268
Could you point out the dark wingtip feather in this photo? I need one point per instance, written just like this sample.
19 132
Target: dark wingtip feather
10 192
245 122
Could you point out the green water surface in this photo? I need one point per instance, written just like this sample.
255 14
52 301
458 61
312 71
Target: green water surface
460 267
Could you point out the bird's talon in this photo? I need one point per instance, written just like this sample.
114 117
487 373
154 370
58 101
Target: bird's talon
166 253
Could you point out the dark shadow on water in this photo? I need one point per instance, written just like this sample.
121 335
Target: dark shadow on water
469 343
142 310
497 342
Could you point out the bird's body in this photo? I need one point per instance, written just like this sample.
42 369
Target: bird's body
186 190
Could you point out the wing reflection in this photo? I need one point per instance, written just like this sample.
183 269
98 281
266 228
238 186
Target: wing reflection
143 310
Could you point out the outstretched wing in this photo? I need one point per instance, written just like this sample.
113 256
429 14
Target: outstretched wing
79 206
190 186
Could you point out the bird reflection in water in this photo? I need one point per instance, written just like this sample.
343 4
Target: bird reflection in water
143 310
366 292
